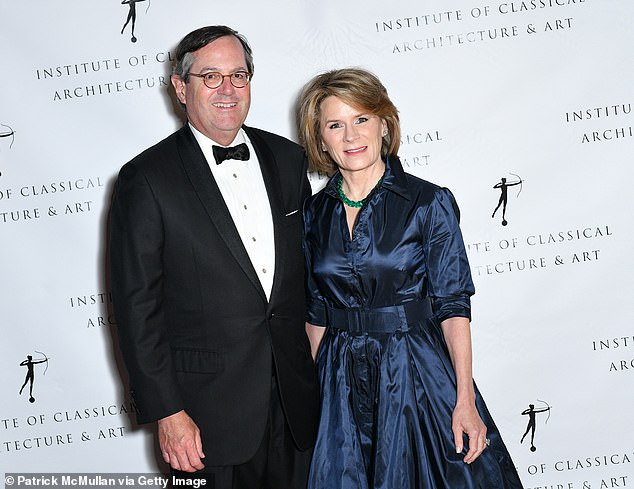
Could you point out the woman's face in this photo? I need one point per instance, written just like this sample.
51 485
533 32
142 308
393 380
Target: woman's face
352 137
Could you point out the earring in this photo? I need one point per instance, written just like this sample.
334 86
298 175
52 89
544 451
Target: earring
385 133
323 148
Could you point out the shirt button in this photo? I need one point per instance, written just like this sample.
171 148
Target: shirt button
264 270
235 176
253 238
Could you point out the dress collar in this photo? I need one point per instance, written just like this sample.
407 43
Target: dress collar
394 179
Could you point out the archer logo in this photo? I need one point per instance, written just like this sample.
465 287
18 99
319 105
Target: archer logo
8 133
29 363
532 412
503 185
131 19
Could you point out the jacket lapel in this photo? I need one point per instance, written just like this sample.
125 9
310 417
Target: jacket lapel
204 184
273 186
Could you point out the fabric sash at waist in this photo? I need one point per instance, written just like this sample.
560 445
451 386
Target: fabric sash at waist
386 319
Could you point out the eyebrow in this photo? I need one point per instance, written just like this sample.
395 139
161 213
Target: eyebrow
362 114
218 70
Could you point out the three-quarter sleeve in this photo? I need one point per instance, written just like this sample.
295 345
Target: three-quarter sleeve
450 284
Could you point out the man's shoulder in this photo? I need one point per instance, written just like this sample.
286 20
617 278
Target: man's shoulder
271 138
159 161
288 156
159 151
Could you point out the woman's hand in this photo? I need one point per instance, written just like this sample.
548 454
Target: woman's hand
466 420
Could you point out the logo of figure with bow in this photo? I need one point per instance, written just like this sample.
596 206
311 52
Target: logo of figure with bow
30 364
503 185
132 15
532 413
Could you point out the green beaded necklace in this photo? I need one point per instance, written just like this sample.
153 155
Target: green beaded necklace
353 203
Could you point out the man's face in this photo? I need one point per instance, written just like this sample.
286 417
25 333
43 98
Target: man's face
220 112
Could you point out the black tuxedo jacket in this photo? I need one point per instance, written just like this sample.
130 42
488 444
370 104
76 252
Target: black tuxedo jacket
195 327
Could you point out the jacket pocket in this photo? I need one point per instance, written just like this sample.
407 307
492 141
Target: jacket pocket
292 218
195 361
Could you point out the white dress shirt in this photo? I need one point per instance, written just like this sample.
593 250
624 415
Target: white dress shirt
243 190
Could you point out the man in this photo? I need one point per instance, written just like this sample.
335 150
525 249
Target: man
206 270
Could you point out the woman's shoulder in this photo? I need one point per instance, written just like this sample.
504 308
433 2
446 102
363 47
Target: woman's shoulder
316 201
426 190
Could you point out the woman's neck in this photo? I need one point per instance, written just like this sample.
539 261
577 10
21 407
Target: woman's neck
358 184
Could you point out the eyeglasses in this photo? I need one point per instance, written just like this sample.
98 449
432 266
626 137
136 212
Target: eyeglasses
213 79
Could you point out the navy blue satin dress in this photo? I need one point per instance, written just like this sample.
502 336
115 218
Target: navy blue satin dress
388 385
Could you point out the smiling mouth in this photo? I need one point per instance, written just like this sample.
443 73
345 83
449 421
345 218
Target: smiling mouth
221 105
356 150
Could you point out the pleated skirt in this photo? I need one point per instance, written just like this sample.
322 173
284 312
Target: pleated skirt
387 403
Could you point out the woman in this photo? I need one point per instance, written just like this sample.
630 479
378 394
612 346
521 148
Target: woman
389 292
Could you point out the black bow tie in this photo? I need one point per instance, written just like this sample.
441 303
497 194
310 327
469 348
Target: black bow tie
239 152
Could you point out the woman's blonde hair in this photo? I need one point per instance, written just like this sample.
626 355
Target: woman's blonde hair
357 88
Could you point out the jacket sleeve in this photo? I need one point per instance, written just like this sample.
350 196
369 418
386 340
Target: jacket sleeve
136 240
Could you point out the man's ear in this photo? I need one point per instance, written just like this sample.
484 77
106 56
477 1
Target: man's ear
180 87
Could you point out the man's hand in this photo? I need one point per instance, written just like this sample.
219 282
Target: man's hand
179 439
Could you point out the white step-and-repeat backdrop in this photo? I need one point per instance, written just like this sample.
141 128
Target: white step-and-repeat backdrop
522 108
